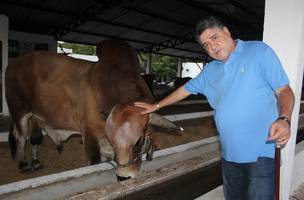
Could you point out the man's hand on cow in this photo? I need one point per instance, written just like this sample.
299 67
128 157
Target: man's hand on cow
148 108
279 132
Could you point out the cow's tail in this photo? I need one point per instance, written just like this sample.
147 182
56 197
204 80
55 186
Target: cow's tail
12 143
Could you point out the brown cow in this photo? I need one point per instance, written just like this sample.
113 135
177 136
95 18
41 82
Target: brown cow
70 96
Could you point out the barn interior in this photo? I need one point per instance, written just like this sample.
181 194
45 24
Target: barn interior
149 26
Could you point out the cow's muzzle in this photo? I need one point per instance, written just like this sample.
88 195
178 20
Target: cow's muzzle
121 178
147 147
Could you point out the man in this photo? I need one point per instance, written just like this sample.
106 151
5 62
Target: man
252 101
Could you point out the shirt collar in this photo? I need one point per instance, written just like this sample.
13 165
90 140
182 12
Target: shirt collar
238 49
239 46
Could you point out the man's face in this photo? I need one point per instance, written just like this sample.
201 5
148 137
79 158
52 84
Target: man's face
217 43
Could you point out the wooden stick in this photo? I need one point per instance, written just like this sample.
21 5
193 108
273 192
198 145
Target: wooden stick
277 172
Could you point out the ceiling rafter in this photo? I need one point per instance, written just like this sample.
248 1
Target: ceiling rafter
168 43
36 7
158 16
199 58
155 48
244 19
70 14
92 11
136 28
160 46
163 46
174 42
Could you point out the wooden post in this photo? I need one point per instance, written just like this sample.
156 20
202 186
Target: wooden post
277 172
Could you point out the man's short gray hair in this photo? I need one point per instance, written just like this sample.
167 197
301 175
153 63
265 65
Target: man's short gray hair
208 22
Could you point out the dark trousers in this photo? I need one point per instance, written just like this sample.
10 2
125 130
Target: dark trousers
249 181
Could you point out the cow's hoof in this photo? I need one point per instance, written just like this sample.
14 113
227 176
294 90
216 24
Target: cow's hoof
36 164
25 167
121 178
60 148
149 157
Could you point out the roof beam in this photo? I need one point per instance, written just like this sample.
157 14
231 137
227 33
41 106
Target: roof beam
92 11
160 46
168 44
195 58
138 51
70 14
158 16
35 7
135 28
208 9
171 44
112 36
133 40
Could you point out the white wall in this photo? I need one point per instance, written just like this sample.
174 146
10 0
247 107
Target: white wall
191 69
298 172
34 38
284 32
23 38
84 57
70 53
4 40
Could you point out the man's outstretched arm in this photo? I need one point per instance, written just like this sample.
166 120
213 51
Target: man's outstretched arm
174 97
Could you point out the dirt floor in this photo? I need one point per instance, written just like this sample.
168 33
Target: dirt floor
73 155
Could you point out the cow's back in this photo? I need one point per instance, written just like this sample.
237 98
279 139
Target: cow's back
47 84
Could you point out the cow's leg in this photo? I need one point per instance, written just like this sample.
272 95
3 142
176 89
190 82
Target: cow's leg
36 140
106 150
19 107
21 131
12 143
91 147
21 143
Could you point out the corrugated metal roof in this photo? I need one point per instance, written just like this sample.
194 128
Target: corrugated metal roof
164 27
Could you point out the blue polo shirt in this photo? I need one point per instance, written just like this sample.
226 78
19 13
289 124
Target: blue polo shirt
242 93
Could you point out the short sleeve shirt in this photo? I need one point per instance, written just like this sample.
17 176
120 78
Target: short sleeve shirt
242 93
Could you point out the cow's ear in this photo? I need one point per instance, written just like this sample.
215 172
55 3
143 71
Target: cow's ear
154 140
160 121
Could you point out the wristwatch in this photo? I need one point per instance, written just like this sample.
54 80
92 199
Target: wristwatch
282 117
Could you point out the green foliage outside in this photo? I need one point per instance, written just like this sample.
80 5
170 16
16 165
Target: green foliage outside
79 48
164 68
